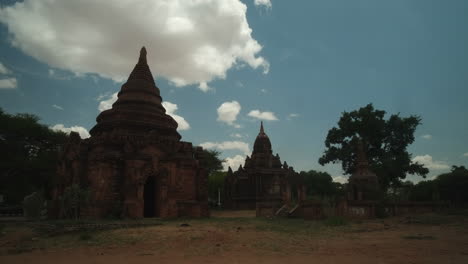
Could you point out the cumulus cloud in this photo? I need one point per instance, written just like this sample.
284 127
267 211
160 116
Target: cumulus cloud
265 3
188 42
233 162
57 107
270 116
427 136
292 115
3 69
228 145
170 110
107 103
79 129
59 76
8 83
340 179
430 163
228 111
236 135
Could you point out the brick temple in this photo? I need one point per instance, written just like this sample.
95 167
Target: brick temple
135 163
262 179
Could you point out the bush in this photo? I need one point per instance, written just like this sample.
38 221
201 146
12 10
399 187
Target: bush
73 199
33 205
335 221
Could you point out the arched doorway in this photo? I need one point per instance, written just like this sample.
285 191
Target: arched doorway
150 198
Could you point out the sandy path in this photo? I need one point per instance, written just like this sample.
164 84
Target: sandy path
205 242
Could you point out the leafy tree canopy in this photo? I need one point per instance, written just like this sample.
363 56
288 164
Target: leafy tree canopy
320 184
211 161
453 186
385 143
28 155
215 185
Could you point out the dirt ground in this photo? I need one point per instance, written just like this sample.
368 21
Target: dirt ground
239 237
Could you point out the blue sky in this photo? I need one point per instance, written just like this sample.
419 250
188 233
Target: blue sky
303 63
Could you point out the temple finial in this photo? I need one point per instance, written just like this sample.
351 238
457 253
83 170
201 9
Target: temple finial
261 127
142 58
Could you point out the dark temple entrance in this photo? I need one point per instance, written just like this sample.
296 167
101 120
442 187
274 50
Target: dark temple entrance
149 198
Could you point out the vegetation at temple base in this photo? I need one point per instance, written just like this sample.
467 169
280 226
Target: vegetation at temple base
28 155
385 143
72 200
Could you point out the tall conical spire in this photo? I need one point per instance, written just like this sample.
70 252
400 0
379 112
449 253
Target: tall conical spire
138 108
142 70
262 143
142 58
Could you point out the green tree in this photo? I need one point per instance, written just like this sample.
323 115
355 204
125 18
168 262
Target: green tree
423 191
211 161
28 155
453 186
320 184
215 184
385 143
213 164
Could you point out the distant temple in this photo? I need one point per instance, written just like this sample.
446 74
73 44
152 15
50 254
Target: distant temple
262 179
363 184
134 162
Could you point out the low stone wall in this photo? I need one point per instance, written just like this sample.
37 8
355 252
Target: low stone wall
359 209
403 208
366 209
312 210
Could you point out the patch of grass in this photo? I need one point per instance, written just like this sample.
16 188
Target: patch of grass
335 221
85 236
419 237
431 219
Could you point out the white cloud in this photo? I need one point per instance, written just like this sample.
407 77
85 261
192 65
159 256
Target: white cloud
292 115
188 42
79 129
430 163
228 111
265 3
270 116
236 135
3 69
59 76
57 107
228 145
233 162
340 179
263 90
170 110
465 154
9 83
107 104
427 136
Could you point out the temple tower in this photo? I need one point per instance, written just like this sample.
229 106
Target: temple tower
134 163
